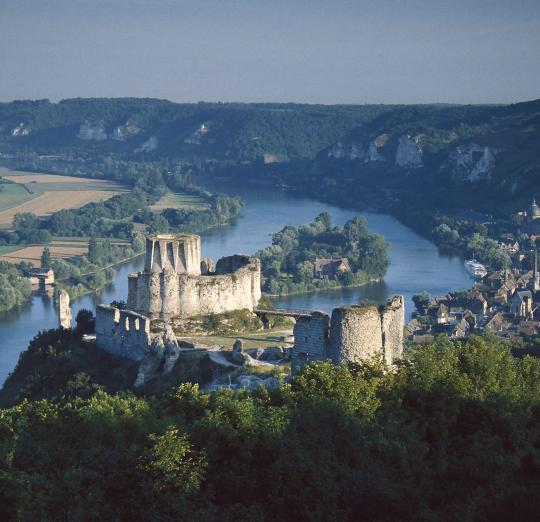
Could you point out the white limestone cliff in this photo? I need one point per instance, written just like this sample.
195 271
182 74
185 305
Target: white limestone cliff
409 152
471 162
355 150
149 145
123 132
195 138
89 131
20 130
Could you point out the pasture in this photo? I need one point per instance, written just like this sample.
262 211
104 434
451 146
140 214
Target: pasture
179 200
12 195
32 254
43 194
60 247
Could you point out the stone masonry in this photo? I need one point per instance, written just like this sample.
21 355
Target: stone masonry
122 332
353 334
176 283
64 310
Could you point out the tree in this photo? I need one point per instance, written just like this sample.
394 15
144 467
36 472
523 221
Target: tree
46 258
304 272
446 234
93 251
85 322
24 222
325 219
421 301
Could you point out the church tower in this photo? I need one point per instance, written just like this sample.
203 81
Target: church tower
536 275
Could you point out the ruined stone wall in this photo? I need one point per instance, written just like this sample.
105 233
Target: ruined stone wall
355 333
169 294
310 340
393 321
180 253
122 332
64 310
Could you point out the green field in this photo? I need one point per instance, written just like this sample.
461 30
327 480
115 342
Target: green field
12 195
251 340
7 249
180 200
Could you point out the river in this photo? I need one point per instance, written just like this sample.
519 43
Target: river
416 265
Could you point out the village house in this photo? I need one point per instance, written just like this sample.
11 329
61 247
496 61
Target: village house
500 322
41 277
521 304
328 267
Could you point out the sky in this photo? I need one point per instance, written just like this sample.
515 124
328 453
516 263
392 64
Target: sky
310 51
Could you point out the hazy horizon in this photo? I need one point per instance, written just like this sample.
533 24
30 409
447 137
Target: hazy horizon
461 52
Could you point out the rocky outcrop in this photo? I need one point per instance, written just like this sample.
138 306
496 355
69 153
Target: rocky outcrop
123 132
92 131
237 355
20 130
409 152
149 145
171 352
356 151
196 137
64 310
148 368
373 153
471 162
252 382
160 359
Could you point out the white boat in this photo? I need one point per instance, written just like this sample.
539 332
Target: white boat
476 269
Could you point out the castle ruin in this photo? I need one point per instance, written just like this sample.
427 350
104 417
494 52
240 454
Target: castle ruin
353 334
176 283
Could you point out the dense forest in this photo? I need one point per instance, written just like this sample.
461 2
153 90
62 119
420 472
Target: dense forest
418 162
291 264
148 128
452 434
15 287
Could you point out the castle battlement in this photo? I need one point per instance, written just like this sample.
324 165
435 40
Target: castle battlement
180 253
122 332
171 284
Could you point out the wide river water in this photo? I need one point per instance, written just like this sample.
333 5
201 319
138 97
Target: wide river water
416 265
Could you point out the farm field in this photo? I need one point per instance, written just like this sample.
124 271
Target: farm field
60 247
49 193
179 200
32 254
12 195
7 249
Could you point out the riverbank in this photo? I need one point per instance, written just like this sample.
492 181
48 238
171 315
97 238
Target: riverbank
335 286
416 265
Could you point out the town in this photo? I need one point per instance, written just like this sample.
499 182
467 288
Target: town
504 302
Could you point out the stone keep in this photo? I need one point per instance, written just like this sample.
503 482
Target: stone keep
353 334
172 284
